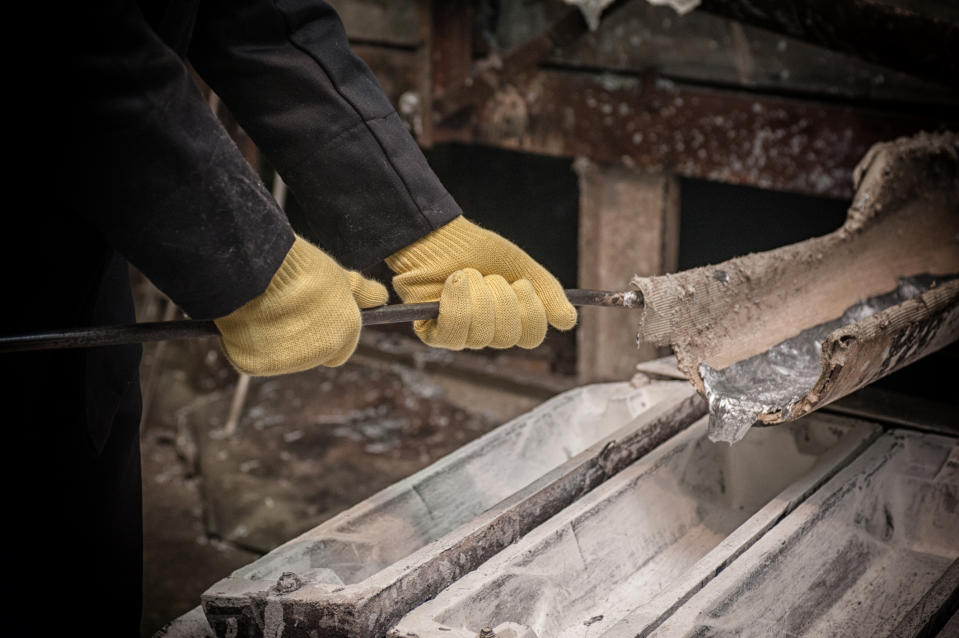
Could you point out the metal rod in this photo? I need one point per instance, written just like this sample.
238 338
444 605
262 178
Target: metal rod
191 329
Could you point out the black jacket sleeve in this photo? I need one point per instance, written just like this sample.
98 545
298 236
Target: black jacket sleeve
146 163
285 70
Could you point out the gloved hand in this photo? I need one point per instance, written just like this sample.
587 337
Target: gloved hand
309 315
491 293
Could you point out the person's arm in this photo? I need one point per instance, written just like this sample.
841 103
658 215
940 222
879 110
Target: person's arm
286 71
152 169
155 172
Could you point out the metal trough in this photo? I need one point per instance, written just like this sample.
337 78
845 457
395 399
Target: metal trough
358 573
647 539
870 553
769 337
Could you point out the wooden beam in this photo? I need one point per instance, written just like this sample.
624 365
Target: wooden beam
628 225
727 136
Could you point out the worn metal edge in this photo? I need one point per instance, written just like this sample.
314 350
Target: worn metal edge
857 438
642 622
892 408
931 613
240 605
882 450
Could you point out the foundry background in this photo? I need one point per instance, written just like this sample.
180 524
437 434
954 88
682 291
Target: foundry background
655 143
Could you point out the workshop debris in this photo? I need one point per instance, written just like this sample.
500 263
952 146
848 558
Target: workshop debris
593 9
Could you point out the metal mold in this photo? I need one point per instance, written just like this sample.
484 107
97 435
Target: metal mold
872 551
358 573
647 539
900 231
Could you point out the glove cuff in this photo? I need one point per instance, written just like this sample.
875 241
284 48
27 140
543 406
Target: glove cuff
296 264
456 238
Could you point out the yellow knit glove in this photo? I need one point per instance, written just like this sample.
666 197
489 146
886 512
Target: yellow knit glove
309 315
491 293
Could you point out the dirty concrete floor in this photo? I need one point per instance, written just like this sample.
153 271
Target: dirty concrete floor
307 446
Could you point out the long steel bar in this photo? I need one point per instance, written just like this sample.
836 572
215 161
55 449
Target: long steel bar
192 329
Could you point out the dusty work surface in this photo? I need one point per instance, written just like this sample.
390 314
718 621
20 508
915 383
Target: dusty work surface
652 533
646 538
356 574
307 446
856 559
430 504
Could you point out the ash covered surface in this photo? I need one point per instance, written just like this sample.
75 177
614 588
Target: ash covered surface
864 555
308 445
777 379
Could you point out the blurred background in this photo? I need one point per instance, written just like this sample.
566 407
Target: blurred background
633 140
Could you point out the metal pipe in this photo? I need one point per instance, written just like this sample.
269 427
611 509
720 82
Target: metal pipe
191 329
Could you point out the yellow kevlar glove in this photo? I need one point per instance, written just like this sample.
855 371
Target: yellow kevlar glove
308 316
491 293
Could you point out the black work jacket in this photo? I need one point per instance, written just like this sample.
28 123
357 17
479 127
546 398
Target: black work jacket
129 164
176 197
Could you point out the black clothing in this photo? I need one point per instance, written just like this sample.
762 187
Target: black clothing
73 459
132 165
318 113
76 531
167 187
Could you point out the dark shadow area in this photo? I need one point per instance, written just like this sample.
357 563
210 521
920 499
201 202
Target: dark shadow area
932 377
532 200
722 221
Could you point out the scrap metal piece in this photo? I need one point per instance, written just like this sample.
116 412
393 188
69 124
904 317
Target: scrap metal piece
904 222
779 379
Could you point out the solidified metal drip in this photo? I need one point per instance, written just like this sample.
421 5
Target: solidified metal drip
778 378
